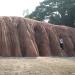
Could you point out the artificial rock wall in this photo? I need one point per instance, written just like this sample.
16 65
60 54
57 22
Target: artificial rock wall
20 37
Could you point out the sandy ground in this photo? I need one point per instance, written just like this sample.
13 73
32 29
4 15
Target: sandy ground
37 66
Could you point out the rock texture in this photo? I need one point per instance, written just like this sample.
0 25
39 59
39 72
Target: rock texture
20 37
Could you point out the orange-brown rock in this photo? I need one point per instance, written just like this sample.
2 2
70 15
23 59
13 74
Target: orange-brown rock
20 37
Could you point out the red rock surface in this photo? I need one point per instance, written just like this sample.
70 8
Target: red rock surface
20 37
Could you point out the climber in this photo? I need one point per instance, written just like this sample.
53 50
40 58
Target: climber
61 42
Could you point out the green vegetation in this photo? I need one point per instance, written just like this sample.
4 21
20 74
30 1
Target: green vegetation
60 12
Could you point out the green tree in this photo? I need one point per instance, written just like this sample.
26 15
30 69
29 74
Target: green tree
56 11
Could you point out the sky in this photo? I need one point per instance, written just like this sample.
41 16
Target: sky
17 7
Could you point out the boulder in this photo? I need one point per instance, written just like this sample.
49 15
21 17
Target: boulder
22 37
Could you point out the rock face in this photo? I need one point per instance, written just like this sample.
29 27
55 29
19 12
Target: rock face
20 37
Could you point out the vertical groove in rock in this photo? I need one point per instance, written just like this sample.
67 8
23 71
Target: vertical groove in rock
5 51
26 44
42 40
71 33
68 45
31 32
12 40
55 49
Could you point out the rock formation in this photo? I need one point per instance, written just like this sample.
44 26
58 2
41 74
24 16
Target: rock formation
20 37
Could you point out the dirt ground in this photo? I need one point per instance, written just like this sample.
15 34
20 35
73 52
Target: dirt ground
37 66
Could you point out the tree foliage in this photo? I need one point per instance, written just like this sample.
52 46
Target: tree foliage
56 11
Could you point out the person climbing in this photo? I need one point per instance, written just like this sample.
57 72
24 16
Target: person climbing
61 42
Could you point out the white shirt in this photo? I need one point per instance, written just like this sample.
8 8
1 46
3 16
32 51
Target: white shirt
61 41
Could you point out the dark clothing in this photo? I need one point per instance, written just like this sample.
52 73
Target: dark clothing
61 45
